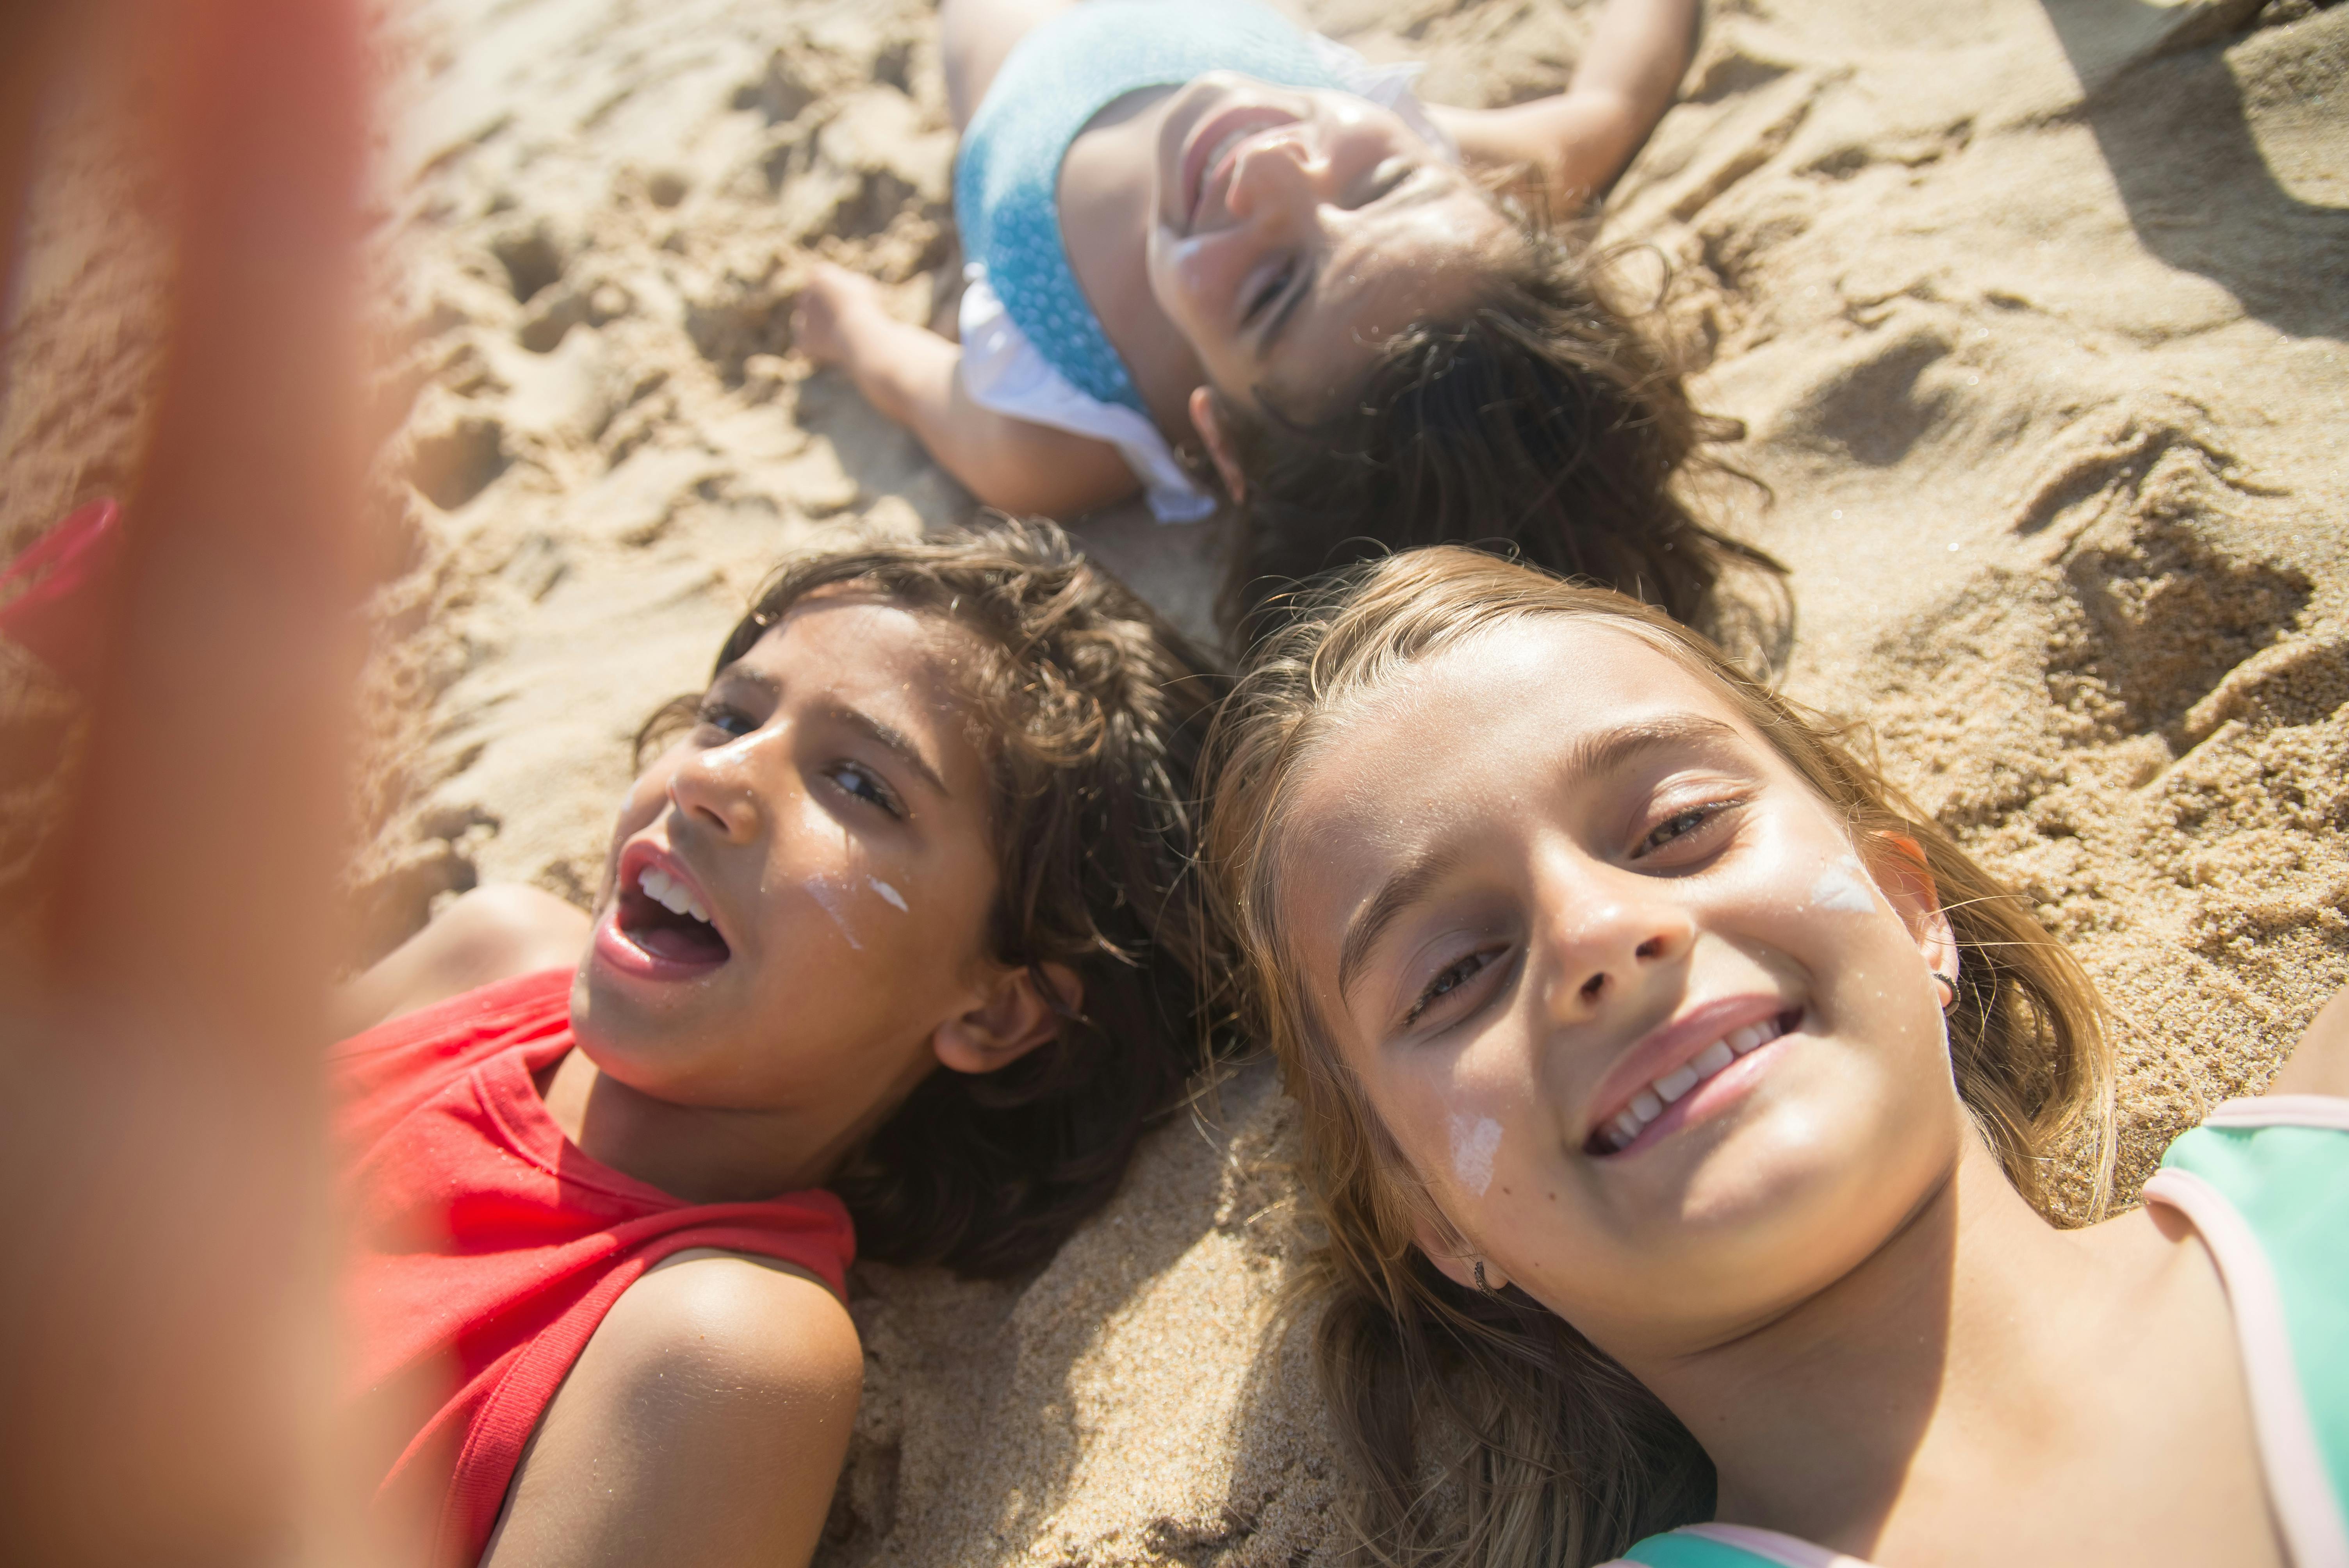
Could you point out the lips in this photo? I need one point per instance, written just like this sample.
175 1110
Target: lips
1657 1085
659 927
1213 141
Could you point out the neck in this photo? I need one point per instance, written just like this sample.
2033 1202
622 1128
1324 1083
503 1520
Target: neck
702 1154
1923 1372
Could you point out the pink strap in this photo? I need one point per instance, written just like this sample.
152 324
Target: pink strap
2298 1486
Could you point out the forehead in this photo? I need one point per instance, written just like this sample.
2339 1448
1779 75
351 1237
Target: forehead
1396 267
913 669
1480 726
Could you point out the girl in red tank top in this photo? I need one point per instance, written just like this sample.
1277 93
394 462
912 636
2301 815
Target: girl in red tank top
894 945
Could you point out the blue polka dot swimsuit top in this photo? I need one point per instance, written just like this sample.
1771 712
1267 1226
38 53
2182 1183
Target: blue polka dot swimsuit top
1055 80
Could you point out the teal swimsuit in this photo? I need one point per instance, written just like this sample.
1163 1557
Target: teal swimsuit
2265 1183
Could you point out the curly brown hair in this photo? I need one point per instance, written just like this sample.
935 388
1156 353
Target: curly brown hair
1482 1429
1091 710
1545 423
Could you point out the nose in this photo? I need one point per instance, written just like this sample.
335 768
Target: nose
1285 176
718 789
1605 929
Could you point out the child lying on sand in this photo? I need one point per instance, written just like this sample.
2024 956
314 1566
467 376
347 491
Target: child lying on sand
1678 1101
894 931
1192 229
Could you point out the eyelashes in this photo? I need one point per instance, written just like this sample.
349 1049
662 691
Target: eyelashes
1682 841
1457 975
851 777
1269 292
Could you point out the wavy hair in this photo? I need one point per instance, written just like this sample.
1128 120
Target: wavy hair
1090 711
1481 1428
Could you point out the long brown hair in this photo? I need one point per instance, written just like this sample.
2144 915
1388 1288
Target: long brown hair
1091 710
1544 422
1481 1427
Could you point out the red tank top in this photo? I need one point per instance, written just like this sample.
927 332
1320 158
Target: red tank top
486 1247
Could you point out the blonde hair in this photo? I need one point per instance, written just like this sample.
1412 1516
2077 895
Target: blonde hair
1482 1429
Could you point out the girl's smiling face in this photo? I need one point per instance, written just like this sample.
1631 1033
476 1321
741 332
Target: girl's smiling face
799 890
1294 230
1663 1049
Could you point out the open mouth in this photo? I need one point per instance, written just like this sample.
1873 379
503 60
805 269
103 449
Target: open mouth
1654 1101
661 916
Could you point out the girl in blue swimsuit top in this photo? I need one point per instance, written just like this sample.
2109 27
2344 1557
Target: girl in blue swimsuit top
1679 1101
1208 250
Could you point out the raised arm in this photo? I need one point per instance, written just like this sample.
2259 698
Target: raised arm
1579 142
912 376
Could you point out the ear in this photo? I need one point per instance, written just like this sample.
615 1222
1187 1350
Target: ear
1013 1017
1900 871
1451 1254
1209 423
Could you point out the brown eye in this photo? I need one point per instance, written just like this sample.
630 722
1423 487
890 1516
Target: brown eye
1683 825
725 718
1444 984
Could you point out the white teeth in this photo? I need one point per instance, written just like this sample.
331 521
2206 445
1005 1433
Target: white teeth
1675 1083
1650 1102
671 893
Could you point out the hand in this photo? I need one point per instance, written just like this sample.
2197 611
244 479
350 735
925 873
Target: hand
163 1257
837 310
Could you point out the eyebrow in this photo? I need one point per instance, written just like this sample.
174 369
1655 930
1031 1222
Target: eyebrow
1600 753
887 735
895 741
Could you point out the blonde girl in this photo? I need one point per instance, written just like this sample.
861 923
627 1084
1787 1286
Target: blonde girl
1679 1104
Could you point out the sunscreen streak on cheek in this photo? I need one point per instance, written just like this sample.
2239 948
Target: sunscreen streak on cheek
1843 886
1475 1140
887 892
828 898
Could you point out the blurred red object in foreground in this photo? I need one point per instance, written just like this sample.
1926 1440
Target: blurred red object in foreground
52 595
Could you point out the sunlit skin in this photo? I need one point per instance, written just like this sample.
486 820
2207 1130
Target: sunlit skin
1285 257
1555 887
829 778
831 810
1565 914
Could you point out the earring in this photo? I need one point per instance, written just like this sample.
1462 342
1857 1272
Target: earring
1487 1289
1949 985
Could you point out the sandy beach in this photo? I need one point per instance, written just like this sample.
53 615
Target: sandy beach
2034 317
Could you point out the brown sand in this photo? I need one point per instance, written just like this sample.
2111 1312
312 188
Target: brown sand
2035 318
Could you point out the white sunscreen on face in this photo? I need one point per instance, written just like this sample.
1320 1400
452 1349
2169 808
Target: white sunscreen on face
1475 1140
1842 885
887 891
828 898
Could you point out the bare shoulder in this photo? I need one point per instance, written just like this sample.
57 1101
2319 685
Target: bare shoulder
758 1322
2319 1063
493 932
711 1408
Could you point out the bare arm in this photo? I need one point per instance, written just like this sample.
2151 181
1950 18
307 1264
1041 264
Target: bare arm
703 1427
912 376
492 933
1579 142
2319 1063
